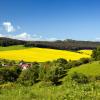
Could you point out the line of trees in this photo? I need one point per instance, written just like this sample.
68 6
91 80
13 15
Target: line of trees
9 42
63 45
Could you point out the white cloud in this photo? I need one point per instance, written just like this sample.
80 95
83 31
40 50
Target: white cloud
26 36
51 39
1 35
98 38
8 27
22 36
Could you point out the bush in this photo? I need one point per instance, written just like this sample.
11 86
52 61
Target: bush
44 69
61 61
9 74
7 85
96 54
53 76
85 60
97 77
53 71
79 78
30 75
74 63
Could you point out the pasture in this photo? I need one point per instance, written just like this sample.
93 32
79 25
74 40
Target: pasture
91 69
15 47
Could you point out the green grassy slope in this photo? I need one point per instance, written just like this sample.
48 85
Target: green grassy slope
91 69
15 47
68 90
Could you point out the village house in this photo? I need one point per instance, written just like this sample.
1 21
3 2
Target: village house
4 65
24 65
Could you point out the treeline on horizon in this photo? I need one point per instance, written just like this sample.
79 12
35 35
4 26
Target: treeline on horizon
67 44
4 42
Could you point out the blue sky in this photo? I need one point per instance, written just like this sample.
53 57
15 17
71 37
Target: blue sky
50 19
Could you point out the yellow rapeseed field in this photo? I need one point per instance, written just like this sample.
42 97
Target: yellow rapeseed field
88 52
40 55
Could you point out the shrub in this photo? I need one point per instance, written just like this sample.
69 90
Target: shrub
53 76
85 60
30 75
7 85
96 54
9 74
74 63
53 71
43 70
97 77
61 61
79 77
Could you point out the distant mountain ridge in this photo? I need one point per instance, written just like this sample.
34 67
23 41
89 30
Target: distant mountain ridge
58 44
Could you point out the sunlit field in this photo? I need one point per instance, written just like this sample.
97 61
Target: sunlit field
40 54
88 52
91 69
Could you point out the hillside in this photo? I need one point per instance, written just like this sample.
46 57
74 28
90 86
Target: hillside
91 69
67 90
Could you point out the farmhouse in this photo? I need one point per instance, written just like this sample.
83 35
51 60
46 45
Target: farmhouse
24 65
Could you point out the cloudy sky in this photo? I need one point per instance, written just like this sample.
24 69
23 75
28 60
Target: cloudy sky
50 19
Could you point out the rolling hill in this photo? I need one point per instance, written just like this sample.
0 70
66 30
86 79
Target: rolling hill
91 69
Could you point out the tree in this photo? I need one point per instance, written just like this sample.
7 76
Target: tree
53 71
61 61
79 78
96 54
9 74
85 60
30 75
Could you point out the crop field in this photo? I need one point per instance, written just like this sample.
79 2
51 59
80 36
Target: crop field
39 54
88 52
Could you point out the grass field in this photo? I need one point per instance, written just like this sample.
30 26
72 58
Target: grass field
91 69
38 54
16 47
66 91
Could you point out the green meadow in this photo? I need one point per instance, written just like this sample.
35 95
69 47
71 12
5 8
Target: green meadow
15 47
91 69
67 90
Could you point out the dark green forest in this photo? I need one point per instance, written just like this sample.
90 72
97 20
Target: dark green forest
58 44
